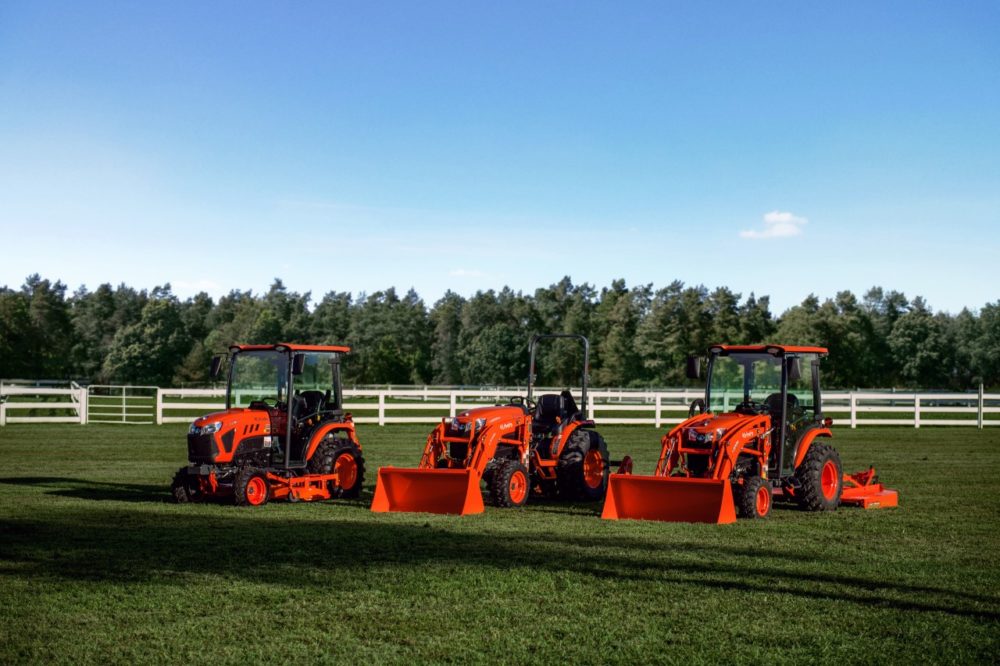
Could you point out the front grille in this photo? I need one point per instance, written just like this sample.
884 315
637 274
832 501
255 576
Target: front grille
202 448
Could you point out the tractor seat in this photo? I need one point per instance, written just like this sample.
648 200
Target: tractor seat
570 411
308 403
548 409
773 403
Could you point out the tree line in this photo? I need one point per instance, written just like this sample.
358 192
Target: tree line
639 335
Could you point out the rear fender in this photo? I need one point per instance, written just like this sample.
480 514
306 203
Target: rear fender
807 439
567 432
326 429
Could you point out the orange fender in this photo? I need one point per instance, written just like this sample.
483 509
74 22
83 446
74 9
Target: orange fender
807 441
325 430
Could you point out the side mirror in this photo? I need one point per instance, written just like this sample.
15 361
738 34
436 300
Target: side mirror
216 367
693 369
794 369
298 364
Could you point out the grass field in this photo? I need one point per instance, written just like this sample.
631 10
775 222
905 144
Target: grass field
97 566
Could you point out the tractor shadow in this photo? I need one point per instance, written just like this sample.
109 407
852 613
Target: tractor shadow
296 550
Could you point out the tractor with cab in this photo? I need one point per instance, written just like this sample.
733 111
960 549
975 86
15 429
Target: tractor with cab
758 435
283 434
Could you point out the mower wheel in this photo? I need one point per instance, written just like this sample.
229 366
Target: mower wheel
582 471
820 478
343 457
509 485
182 490
753 498
250 488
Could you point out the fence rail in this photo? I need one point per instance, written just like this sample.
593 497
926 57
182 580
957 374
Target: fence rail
383 406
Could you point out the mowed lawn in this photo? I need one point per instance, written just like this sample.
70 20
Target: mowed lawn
96 566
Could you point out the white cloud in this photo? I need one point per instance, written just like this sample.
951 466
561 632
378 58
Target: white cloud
777 224
461 272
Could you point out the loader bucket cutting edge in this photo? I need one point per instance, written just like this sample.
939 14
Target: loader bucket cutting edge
669 499
453 491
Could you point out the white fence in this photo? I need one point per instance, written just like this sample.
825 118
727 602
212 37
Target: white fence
384 406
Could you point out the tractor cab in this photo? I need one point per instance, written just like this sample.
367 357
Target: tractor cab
276 394
283 434
778 381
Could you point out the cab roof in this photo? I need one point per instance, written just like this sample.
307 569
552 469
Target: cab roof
769 349
287 346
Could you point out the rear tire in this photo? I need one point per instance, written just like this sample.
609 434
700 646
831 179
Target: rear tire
582 471
753 498
251 487
344 457
820 479
509 485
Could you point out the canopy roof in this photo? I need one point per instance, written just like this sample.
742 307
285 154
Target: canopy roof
286 346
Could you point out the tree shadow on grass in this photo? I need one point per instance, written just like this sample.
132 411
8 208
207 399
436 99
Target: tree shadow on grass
92 490
152 548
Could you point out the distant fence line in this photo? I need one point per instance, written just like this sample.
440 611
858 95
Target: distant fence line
55 402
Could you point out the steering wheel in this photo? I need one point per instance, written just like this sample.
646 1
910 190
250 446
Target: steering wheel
697 407
523 402
748 406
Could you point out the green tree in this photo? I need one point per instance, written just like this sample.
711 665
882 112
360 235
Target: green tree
150 350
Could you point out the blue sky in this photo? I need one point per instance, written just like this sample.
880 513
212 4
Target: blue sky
780 148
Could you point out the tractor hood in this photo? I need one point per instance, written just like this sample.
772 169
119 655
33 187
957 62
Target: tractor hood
484 417
226 420
713 427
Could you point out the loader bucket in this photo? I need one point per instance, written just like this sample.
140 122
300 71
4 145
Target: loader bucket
427 491
670 499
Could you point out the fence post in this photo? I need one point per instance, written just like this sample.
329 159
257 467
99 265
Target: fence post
916 410
980 416
83 404
381 408
854 409
451 404
159 406
656 406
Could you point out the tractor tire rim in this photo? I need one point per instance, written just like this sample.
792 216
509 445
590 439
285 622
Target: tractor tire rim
518 487
593 469
346 470
256 491
763 500
828 480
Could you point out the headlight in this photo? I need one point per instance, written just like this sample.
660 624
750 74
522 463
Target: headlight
206 429
480 423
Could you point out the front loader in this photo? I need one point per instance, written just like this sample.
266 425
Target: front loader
283 435
758 434
546 448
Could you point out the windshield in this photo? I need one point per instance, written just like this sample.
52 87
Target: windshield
739 378
258 375
317 372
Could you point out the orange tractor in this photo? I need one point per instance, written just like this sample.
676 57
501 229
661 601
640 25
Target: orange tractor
283 434
758 434
547 448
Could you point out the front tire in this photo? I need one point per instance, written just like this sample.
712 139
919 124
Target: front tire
820 479
509 485
251 487
753 498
